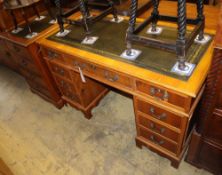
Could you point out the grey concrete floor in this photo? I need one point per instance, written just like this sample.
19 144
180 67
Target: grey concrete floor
38 139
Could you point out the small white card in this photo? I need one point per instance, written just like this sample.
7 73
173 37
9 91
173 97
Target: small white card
62 34
31 35
119 19
53 21
15 31
89 40
40 18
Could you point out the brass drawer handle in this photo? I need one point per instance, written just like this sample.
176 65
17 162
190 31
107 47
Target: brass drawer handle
152 138
61 72
77 64
8 54
109 78
93 67
16 48
52 54
72 97
62 83
164 94
24 63
153 127
159 117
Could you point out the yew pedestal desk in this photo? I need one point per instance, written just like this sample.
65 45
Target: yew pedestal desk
164 103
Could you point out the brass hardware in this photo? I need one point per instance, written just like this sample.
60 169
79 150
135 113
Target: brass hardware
16 48
159 117
24 63
109 78
61 72
164 94
62 83
52 54
8 54
152 138
76 63
153 127
72 97
93 67
82 66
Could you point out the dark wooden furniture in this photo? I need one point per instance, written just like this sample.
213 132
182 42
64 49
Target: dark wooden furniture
22 55
22 5
6 22
205 150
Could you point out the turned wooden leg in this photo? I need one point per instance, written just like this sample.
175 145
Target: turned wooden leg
132 24
14 19
85 15
200 17
155 14
181 42
36 11
26 20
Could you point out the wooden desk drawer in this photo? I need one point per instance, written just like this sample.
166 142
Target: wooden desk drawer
115 77
158 128
100 72
17 49
163 95
67 89
23 63
58 69
52 54
159 141
158 113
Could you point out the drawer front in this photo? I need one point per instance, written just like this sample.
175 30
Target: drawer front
59 70
17 49
67 89
51 54
23 63
114 77
158 113
158 128
164 95
101 73
159 141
